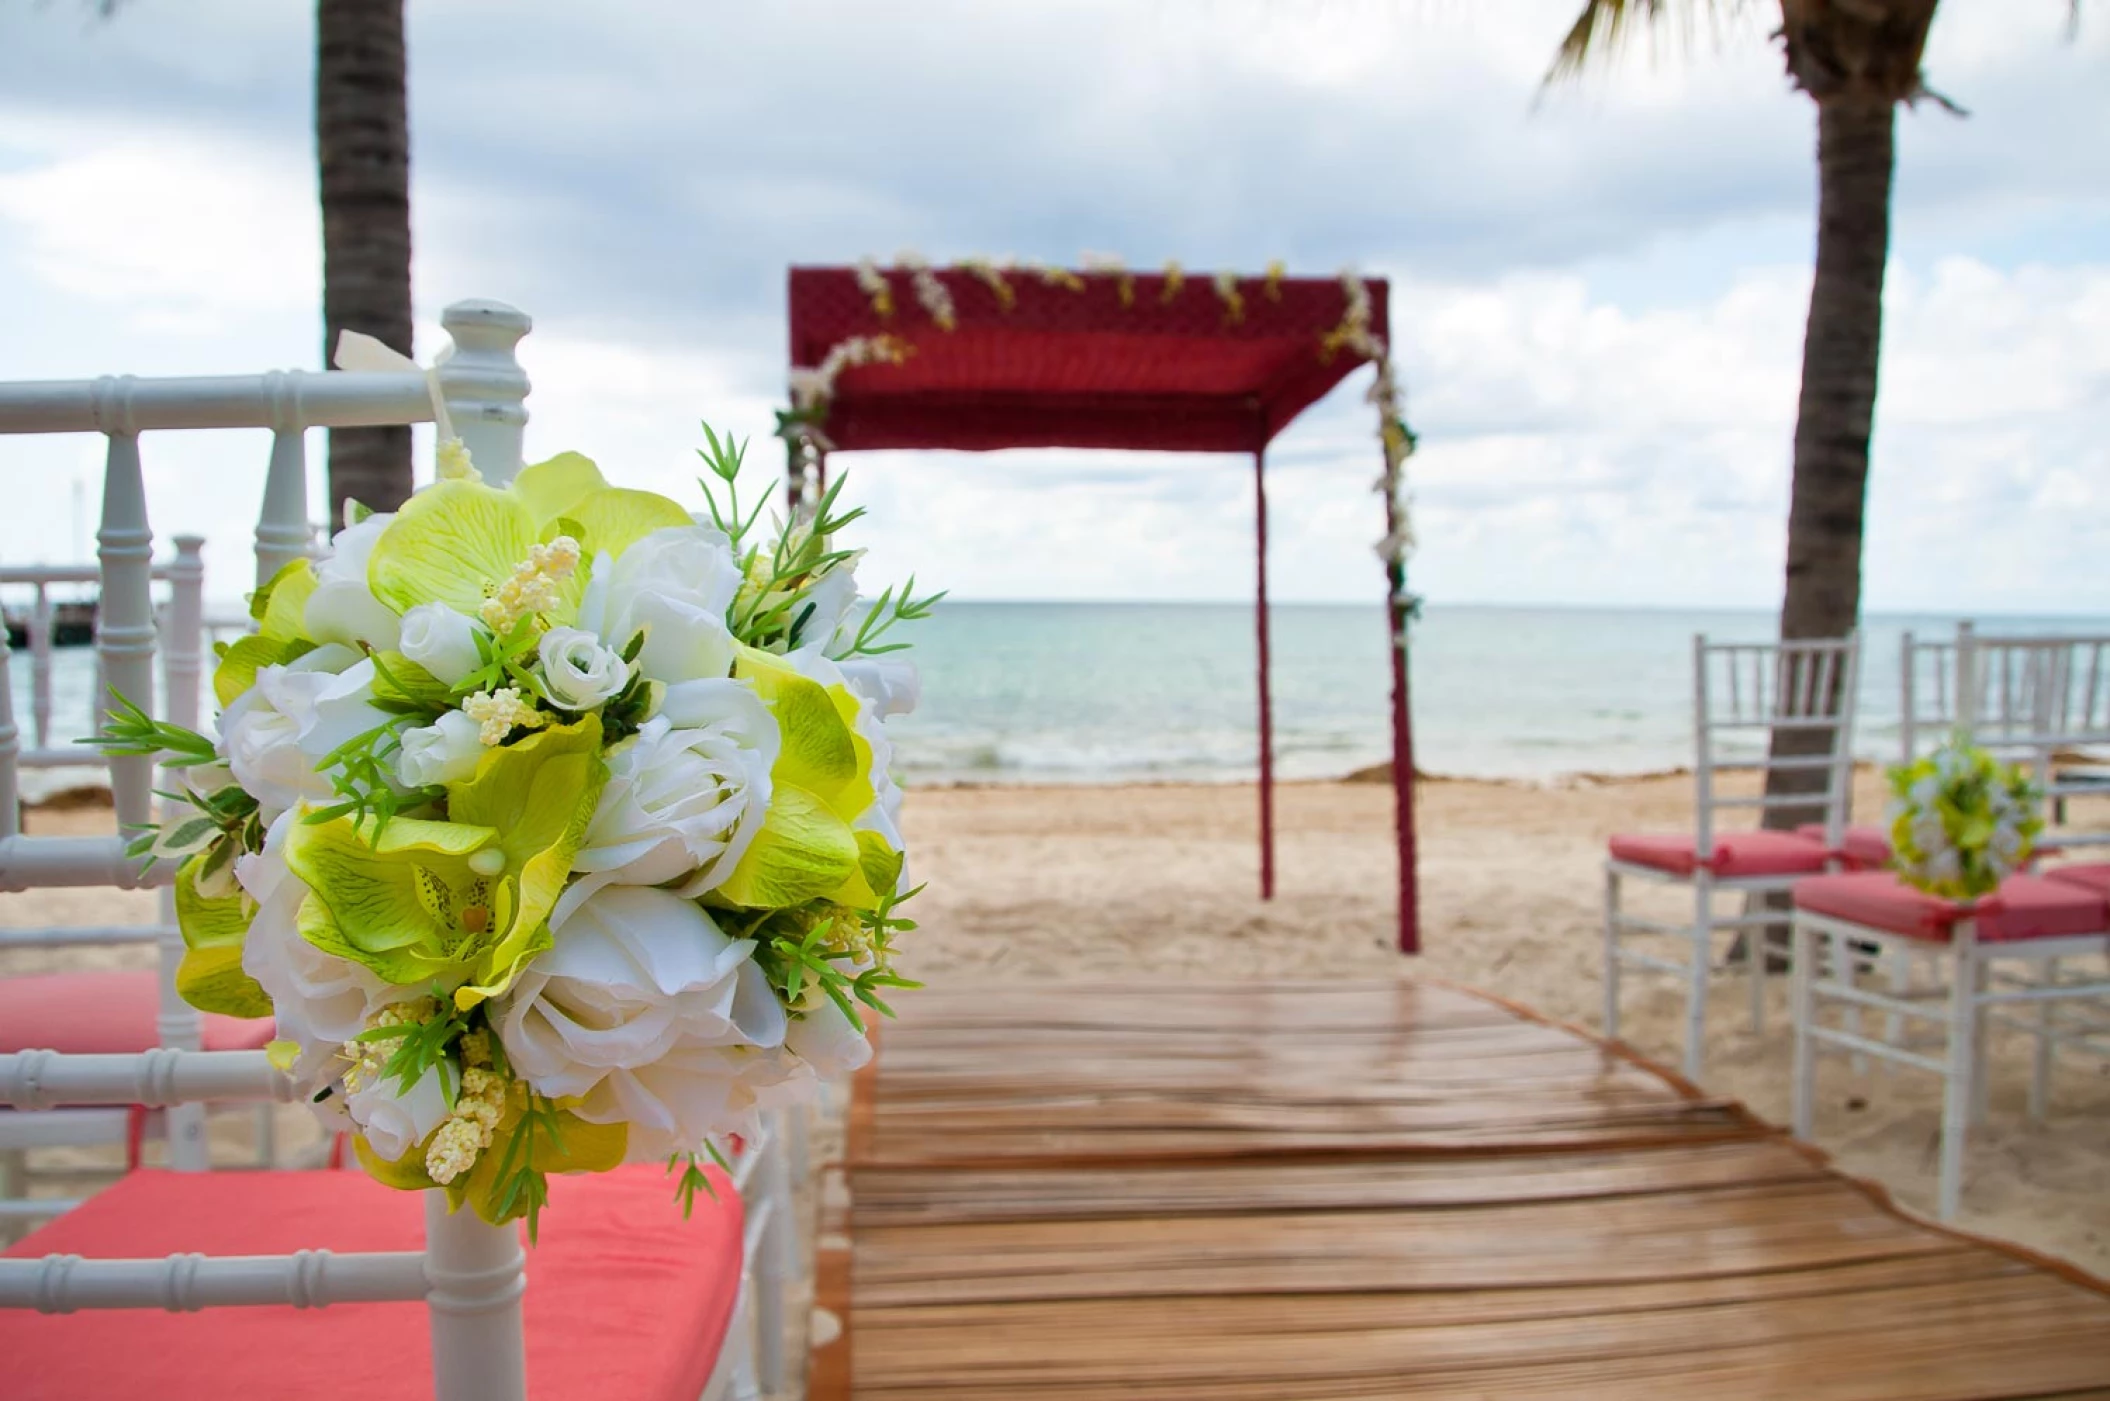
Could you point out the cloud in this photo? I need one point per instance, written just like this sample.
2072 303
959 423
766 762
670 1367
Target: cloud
1599 298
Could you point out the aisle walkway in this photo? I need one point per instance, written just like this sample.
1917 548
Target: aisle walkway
1374 1190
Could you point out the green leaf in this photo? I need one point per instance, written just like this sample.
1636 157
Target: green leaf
246 656
802 852
395 901
399 679
880 863
553 488
280 607
447 543
210 977
616 518
212 980
538 795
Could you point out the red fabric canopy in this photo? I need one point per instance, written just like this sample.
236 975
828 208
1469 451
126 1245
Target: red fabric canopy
1077 368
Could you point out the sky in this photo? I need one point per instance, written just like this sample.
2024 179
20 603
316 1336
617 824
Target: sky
1598 292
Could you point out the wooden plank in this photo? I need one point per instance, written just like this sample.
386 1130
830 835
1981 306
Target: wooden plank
1507 1245
1381 1190
902 1197
1303 1340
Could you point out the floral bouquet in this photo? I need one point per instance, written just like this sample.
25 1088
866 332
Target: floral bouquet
551 822
1961 821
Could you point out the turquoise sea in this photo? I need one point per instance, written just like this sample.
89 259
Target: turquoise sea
1143 692
1047 692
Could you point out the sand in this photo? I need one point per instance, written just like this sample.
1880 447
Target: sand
1160 882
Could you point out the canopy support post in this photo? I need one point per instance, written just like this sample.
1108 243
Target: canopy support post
1267 715
1398 613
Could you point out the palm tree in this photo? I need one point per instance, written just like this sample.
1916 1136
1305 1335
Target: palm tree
1857 60
362 150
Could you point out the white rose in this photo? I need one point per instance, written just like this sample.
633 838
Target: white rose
674 585
888 685
685 795
318 999
578 670
274 733
395 1122
824 1039
441 640
833 600
342 608
647 1011
445 751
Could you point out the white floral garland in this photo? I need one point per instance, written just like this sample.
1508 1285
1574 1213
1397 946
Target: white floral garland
1354 335
811 388
930 292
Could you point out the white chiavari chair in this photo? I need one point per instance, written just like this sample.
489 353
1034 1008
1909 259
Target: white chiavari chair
305 1278
626 1298
1744 695
104 1010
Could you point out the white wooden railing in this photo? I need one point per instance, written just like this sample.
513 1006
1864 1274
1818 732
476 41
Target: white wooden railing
485 391
39 627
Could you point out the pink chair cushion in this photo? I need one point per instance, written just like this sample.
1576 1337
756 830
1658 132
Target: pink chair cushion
2089 875
2025 907
1735 853
624 1298
103 1013
1863 848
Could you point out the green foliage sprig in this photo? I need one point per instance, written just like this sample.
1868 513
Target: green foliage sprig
128 730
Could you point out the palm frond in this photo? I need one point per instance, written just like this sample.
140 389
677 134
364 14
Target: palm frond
1604 25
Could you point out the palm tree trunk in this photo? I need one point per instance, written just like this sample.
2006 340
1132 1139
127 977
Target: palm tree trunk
362 147
1835 415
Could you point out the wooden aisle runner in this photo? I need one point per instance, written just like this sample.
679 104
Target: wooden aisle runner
1376 1190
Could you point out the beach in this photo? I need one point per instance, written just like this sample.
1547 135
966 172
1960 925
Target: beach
1043 883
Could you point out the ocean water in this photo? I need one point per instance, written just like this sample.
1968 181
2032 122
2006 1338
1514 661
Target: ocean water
1164 692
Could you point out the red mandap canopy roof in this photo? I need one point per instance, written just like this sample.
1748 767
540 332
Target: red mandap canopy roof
1077 368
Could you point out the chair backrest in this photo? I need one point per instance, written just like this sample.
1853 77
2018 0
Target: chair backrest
1927 699
44 623
485 392
2042 701
470 1273
1748 699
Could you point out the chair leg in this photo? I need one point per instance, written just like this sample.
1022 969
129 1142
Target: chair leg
1611 954
2046 1049
1846 967
266 1136
1897 966
733 1378
1981 1048
775 1262
1801 975
1758 947
1696 975
1962 1058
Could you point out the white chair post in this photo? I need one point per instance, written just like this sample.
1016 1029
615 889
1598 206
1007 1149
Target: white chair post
283 533
1702 956
477 1274
485 387
10 752
125 611
177 1023
39 639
